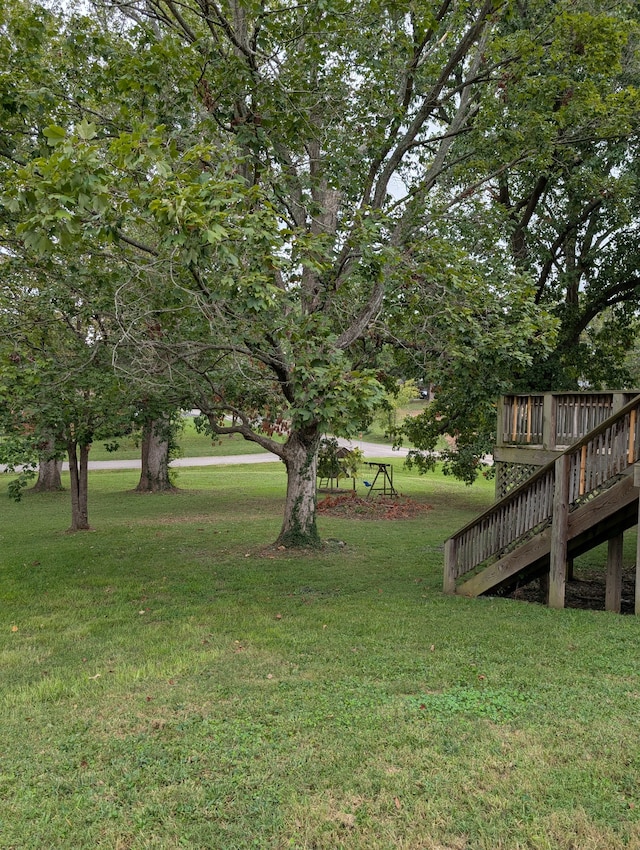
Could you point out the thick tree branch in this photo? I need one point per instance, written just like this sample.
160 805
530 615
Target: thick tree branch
431 100
213 414
569 229
363 319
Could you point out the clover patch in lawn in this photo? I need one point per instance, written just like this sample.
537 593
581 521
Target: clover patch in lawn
495 704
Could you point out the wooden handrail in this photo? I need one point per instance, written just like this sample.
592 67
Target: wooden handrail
595 459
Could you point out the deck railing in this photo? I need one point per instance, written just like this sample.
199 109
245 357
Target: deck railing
594 462
523 419
555 420
577 415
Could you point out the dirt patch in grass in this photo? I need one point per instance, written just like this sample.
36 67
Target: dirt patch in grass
586 590
351 506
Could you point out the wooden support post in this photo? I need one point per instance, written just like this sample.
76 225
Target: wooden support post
500 422
559 533
636 482
613 593
449 584
618 400
549 422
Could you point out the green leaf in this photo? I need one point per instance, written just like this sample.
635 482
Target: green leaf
54 134
86 130
216 233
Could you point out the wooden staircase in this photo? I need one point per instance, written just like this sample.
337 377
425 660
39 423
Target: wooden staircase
586 496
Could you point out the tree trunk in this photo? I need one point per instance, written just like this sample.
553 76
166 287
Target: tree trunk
154 477
301 459
49 469
79 472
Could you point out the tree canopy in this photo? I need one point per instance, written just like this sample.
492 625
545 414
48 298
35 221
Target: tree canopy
559 136
280 195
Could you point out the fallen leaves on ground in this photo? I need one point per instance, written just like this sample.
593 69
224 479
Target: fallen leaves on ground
352 506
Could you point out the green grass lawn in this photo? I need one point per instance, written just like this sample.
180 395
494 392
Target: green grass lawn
171 681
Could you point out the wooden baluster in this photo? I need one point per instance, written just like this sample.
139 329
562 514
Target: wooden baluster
521 510
526 524
622 443
533 514
494 533
486 549
539 420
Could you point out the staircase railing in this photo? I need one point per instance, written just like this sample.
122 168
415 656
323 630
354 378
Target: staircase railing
595 462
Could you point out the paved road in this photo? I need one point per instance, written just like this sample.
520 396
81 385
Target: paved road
369 450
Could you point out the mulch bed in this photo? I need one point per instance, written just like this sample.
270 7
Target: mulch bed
351 506
586 590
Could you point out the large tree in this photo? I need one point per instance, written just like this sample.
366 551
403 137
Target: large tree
572 218
565 215
263 183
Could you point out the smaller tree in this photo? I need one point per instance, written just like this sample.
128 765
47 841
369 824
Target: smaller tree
18 455
395 400
336 463
58 389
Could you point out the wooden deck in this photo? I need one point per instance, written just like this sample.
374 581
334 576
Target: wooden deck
587 495
534 429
